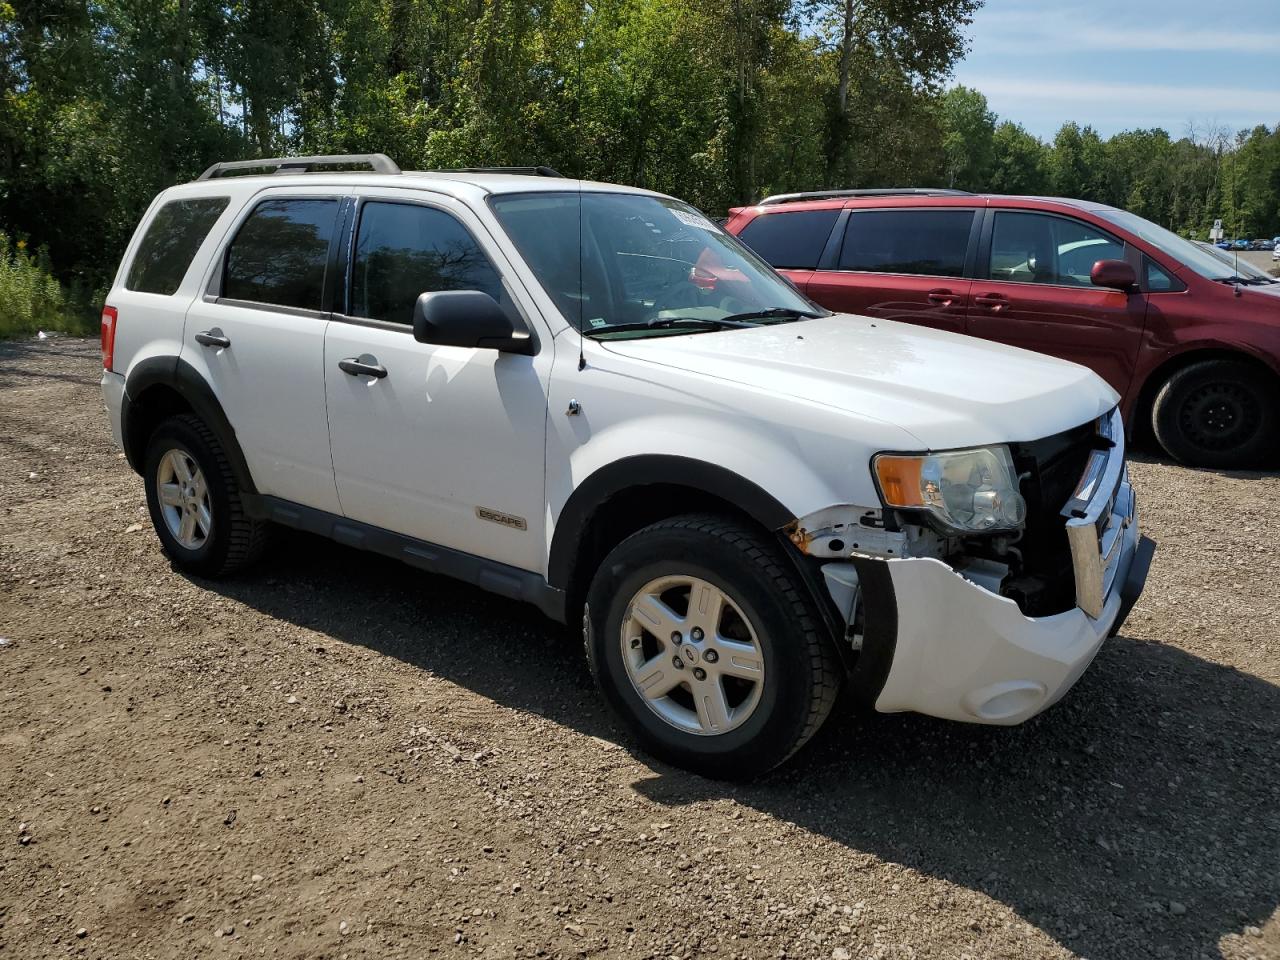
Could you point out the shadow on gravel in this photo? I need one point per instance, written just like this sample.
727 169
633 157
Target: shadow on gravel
1150 453
1154 782
28 358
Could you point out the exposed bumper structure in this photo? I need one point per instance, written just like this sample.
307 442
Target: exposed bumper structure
961 652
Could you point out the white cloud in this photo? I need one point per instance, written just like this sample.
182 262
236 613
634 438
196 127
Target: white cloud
1020 33
1126 97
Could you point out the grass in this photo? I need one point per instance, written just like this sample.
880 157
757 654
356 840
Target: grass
31 299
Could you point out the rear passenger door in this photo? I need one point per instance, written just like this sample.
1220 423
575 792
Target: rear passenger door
257 337
907 264
1037 293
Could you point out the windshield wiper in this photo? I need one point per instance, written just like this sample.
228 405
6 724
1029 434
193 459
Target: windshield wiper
780 312
1246 281
668 323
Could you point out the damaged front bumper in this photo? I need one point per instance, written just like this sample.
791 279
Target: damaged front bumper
938 643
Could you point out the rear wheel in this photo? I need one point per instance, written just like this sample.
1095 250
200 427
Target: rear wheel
194 501
708 648
1218 413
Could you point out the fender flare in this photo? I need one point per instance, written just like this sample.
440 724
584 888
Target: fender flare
647 470
183 379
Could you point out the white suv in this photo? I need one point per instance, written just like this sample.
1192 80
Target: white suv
592 398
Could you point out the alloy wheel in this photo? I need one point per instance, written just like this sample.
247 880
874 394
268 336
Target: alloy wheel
692 655
184 499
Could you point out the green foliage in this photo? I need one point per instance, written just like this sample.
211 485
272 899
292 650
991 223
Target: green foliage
716 101
31 299
968 138
1019 162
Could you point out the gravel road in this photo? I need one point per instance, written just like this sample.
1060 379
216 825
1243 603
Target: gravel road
338 756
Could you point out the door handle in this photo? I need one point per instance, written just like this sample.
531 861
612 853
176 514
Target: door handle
992 301
207 338
356 367
943 297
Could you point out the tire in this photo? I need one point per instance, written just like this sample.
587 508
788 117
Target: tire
226 539
1218 413
767 618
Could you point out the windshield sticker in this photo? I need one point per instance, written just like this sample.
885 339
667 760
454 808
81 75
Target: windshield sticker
690 219
598 322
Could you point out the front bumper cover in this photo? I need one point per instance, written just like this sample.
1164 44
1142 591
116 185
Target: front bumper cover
948 647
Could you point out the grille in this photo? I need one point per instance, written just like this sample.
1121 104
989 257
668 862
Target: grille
1052 467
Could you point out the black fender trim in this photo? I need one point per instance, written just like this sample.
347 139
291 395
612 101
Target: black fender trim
176 373
646 470
490 575
809 571
880 630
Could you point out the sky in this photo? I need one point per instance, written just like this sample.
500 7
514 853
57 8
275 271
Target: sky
1127 64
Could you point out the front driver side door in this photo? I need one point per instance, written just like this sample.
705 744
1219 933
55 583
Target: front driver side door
1037 294
447 446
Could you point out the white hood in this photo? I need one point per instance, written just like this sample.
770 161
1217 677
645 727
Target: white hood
945 389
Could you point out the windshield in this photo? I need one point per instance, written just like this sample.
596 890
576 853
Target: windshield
1241 268
1182 251
647 264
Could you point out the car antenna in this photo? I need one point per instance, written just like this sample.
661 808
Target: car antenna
582 334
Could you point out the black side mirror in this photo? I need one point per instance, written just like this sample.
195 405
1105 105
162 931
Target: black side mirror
1114 274
469 318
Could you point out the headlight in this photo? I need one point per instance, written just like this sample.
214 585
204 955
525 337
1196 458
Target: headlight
966 491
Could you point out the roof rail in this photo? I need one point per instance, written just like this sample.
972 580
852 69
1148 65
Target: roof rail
872 192
540 171
376 162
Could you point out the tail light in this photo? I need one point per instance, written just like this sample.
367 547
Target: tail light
109 317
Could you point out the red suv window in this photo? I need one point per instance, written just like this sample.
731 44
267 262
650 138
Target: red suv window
928 242
1040 248
790 241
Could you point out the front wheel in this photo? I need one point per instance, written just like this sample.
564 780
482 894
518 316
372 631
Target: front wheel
1218 413
708 648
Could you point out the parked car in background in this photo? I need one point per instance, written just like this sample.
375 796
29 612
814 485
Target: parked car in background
1241 244
1223 244
1237 266
1193 350
591 398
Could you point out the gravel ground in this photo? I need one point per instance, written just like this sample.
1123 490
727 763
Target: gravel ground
338 756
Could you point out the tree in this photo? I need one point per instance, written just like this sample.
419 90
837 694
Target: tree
968 134
1019 161
879 45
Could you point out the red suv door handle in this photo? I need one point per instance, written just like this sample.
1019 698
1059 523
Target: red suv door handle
992 301
943 297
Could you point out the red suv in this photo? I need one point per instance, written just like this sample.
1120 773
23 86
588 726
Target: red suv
1189 346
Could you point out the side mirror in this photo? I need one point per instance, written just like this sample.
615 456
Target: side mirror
1114 274
469 318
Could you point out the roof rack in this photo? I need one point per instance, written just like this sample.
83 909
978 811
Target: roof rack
539 171
872 192
376 162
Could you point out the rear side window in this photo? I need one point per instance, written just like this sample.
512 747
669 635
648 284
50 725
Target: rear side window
172 239
928 242
790 241
404 250
280 254
1038 248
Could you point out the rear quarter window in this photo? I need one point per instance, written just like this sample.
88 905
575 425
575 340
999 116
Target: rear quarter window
171 241
790 241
